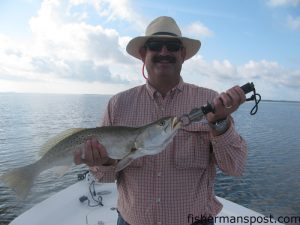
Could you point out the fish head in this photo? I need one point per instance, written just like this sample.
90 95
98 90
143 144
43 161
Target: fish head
157 135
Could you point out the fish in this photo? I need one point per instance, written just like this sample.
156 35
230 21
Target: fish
121 143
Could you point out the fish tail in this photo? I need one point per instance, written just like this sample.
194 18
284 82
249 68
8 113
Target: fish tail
20 179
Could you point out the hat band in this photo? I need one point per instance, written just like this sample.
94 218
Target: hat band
165 33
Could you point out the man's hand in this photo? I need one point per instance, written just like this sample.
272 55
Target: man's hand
226 103
93 154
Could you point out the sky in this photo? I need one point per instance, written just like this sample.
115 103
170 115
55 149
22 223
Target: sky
78 46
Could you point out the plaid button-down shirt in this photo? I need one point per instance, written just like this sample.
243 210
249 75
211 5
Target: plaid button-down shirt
168 187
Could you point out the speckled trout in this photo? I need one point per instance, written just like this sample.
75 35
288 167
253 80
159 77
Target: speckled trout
122 143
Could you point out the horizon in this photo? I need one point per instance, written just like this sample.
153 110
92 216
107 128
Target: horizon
110 95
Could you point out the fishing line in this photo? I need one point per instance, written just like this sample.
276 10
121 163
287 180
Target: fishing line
94 194
254 97
143 72
96 197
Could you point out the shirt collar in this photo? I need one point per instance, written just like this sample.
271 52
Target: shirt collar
153 92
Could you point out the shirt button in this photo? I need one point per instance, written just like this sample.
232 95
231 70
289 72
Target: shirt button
214 142
158 200
159 174
159 223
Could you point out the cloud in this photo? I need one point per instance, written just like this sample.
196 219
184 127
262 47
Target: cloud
84 70
293 22
111 10
68 50
221 74
271 73
58 35
259 69
277 3
64 46
213 70
198 29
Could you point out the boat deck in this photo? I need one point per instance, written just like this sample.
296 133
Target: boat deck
64 208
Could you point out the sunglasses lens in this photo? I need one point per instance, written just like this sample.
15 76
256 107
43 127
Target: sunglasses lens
155 46
173 46
158 45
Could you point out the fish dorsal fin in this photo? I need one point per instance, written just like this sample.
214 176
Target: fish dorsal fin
56 139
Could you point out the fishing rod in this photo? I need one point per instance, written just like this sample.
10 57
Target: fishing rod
196 114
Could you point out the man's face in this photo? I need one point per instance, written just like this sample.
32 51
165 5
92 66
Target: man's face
163 57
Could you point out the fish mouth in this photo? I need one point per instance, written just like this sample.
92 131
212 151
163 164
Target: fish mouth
176 123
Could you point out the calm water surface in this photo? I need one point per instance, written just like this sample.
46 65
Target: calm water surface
270 184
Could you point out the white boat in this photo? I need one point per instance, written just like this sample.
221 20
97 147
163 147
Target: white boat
65 208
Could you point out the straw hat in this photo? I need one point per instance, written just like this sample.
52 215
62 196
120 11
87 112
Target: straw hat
164 27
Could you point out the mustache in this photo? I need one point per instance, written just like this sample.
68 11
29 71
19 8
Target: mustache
160 58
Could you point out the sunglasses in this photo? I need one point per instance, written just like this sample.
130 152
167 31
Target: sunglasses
156 46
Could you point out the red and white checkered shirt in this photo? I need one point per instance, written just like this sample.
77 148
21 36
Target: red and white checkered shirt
168 187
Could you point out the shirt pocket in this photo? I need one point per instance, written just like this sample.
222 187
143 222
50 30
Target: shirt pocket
192 147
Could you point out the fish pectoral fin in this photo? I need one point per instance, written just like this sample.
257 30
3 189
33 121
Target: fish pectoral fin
61 170
128 159
135 153
124 163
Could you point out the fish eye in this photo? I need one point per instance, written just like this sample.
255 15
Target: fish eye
162 123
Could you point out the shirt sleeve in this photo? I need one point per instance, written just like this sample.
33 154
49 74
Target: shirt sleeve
230 151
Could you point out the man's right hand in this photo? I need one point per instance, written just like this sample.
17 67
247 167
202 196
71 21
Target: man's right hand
93 154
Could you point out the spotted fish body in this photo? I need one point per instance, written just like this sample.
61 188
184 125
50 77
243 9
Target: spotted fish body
122 143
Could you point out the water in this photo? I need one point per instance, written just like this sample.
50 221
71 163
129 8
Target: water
26 122
271 181
270 184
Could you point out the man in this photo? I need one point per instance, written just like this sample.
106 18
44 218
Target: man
176 186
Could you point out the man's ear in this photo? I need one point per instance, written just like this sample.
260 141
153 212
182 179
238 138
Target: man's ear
142 52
